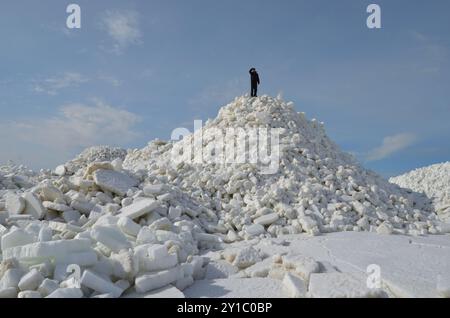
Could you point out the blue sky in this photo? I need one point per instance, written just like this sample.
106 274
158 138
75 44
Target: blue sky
138 69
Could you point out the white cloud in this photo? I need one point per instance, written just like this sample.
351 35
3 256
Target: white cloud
48 141
391 145
122 27
53 85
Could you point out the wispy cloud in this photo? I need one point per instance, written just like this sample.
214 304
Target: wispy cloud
75 126
123 28
391 145
53 85
80 125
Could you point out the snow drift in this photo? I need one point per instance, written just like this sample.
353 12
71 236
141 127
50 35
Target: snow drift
434 181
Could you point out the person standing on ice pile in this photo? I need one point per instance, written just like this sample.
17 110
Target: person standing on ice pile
255 82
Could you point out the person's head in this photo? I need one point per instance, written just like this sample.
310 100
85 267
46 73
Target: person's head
252 70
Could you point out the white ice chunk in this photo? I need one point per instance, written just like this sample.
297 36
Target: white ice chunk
146 236
60 170
82 206
246 257
294 286
31 280
66 293
11 278
123 284
220 269
33 206
71 216
55 206
302 265
165 197
157 251
59 250
45 234
111 238
29 294
139 208
385 228
116 182
51 193
3 230
48 286
260 269
174 212
14 204
9 292
205 237
166 262
128 226
154 189
99 284
88 258
17 237
184 282
148 282
254 230
267 219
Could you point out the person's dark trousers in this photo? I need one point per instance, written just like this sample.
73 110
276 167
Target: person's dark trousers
254 91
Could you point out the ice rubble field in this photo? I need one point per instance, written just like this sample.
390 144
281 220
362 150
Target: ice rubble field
434 181
116 223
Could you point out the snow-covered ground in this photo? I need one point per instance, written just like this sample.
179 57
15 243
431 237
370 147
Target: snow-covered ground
140 223
409 267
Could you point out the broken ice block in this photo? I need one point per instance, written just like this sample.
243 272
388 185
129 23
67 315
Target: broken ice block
148 282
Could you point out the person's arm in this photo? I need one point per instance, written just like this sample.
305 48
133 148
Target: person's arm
257 77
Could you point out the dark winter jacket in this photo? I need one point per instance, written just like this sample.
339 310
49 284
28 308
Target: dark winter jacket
254 77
